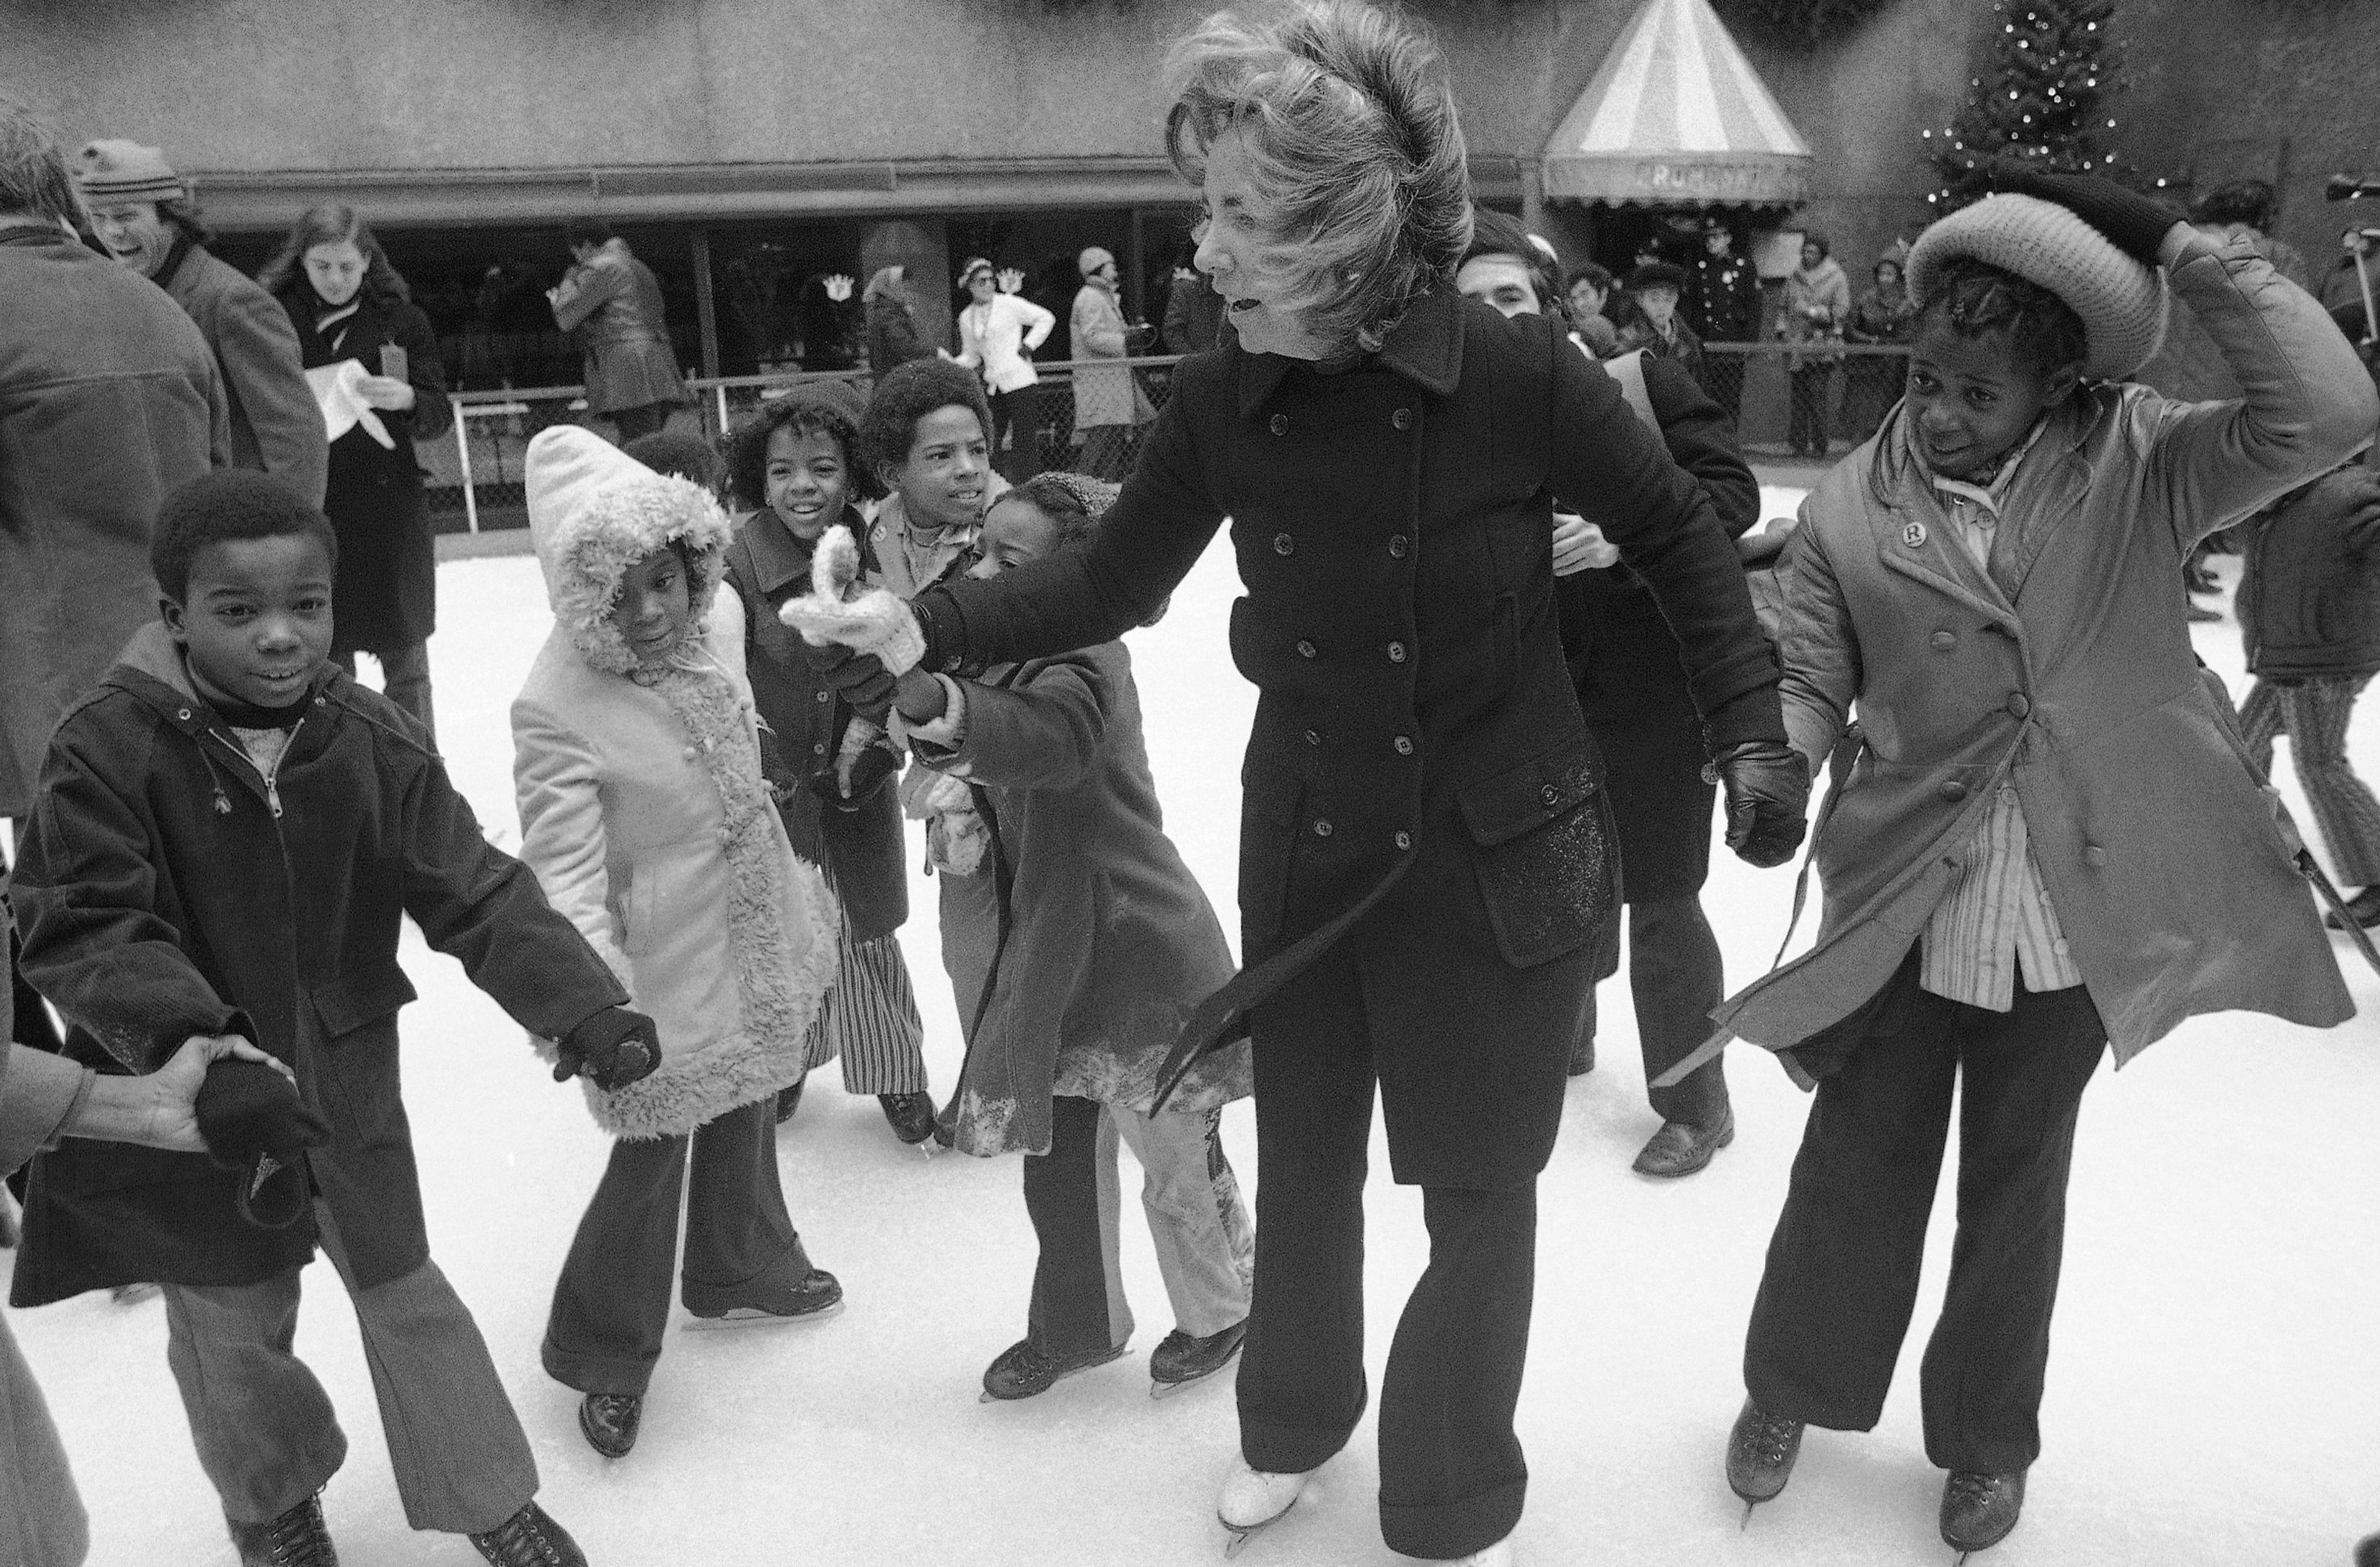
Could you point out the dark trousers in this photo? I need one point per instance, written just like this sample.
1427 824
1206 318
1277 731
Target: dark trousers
641 420
1675 976
1841 1280
1452 1478
405 679
611 1305
1807 420
1016 422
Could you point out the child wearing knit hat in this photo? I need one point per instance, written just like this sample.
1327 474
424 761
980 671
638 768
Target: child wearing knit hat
2043 839
1077 942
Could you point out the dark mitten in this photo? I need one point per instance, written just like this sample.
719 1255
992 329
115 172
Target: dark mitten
254 1122
1767 786
869 771
2132 223
611 1050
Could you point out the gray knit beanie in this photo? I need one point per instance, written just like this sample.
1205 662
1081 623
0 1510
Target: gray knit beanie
2121 302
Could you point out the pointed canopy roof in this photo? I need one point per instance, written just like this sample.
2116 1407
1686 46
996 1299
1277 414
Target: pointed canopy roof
1678 115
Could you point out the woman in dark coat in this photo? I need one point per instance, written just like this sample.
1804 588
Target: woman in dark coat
892 322
1422 875
349 303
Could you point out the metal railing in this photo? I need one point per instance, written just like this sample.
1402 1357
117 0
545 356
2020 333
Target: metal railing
475 475
1854 384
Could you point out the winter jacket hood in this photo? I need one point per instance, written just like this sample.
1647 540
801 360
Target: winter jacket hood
594 511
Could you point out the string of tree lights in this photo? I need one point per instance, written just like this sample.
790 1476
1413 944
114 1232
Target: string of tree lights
2044 101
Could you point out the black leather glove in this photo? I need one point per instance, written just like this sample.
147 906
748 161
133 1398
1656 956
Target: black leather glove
1767 786
2132 223
254 1122
860 680
611 1050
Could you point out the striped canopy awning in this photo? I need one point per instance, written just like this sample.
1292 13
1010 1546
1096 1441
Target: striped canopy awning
1677 114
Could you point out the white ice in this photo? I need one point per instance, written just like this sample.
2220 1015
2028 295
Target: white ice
2211 1398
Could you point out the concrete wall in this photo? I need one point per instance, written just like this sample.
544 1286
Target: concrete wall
264 85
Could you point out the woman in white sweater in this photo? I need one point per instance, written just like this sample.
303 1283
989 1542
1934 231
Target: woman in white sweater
997 335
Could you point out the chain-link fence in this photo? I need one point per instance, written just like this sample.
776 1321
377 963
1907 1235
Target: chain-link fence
475 479
1796 401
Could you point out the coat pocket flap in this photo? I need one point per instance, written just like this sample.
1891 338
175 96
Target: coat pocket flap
361 996
1547 786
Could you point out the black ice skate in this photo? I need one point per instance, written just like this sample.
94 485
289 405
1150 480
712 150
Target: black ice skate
530 1538
609 1422
1760 1455
817 1294
1978 1510
297 1539
912 1115
1181 1360
1022 1371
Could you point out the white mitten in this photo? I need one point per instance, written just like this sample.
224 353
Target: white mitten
837 609
927 794
955 841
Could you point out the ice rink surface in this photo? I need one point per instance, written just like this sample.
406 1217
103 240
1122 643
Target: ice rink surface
2213 1397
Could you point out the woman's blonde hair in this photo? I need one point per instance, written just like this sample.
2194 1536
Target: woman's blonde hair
1354 145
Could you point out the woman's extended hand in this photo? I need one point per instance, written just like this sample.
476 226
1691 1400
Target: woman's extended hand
875 622
386 392
159 1110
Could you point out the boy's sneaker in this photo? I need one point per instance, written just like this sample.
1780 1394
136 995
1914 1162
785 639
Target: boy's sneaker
297 1538
530 1538
1181 1358
816 1294
912 1115
609 1422
1021 1371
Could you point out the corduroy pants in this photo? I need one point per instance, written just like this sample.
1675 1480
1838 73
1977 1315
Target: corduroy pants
2315 715
1841 1281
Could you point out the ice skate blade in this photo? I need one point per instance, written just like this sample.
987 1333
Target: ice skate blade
752 1316
1241 1533
1745 1528
1161 1391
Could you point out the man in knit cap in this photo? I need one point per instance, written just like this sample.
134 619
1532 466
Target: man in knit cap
142 213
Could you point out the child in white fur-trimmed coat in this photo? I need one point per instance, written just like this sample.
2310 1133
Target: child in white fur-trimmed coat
644 814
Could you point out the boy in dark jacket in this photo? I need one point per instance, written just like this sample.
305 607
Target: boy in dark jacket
2309 608
228 832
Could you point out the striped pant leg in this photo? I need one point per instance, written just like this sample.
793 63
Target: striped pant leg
870 1018
2317 714
2260 721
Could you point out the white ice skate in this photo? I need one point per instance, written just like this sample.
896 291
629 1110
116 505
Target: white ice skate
1254 1499
1497 1555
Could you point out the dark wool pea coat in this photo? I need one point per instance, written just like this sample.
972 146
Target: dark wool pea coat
1632 683
166 889
385 595
861 847
1393 524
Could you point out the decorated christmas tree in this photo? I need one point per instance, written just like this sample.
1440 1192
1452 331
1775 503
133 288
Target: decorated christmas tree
2043 102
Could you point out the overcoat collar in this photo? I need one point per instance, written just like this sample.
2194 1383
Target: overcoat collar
1425 348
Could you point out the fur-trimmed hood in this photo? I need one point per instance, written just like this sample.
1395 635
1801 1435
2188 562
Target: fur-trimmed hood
594 511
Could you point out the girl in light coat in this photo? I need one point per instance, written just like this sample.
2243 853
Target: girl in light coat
644 814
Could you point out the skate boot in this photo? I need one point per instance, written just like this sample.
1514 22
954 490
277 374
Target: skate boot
1760 1455
817 1294
912 1115
1022 1371
1978 1510
1257 1498
1497 1555
1681 1148
529 1538
297 1538
1181 1359
609 1422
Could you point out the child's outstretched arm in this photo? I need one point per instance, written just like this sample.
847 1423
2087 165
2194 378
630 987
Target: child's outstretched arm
480 905
85 892
1042 733
2308 407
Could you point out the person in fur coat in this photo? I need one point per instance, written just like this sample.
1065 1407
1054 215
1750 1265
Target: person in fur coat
1077 942
643 813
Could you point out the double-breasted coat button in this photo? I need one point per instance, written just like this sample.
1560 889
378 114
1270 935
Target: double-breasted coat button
2019 704
1551 795
1397 546
1404 840
1953 790
1306 649
1322 830
1312 739
1402 418
1281 424
818 751
1404 745
1283 545
825 696
1944 640
1396 653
